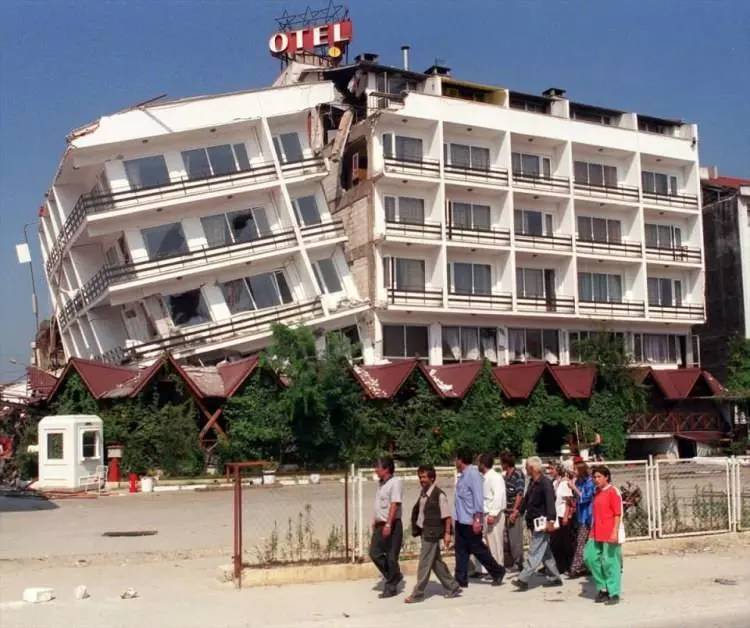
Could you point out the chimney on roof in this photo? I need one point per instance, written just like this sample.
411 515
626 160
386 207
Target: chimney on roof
438 69
405 55
368 57
554 92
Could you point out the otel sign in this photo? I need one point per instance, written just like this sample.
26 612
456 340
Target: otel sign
310 38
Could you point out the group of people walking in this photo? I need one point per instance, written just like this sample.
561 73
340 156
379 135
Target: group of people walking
573 514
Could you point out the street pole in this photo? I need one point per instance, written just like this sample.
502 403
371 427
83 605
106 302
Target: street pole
34 300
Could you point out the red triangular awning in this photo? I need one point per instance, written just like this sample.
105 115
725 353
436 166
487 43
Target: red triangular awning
575 381
40 382
383 381
99 377
676 383
452 381
517 381
234 374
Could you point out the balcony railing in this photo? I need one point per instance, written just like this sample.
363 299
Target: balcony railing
493 301
544 242
633 309
494 176
308 165
383 100
323 231
542 182
557 303
689 201
676 422
239 325
428 297
422 230
412 166
624 192
623 248
674 254
498 237
686 311
88 294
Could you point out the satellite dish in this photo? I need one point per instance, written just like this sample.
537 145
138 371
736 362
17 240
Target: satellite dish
334 52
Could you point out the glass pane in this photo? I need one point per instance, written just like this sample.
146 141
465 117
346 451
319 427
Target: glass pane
390 208
291 146
584 228
393 341
222 159
610 176
329 275
530 164
55 446
661 184
534 344
614 231
411 210
241 153
307 208
600 229
585 288
533 222
461 214
678 293
263 289
196 163
416 342
481 217
388 145
673 185
600 287
518 221
596 174
581 171
551 341
546 167
480 158
653 291
237 296
243 225
488 343
409 148
470 343
482 279
410 274
677 237
284 291
387 272
146 172
261 221
88 444
462 283
164 240
517 344
664 235
451 344
519 282
187 308
460 155
614 288
548 224
652 235
515 159
216 230
534 282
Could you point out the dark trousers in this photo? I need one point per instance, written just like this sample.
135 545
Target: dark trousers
562 543
470 544
384 552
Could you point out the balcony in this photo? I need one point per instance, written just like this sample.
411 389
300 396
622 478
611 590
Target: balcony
684 254
323 231
544 242
623 248
410 166
559 304
613 309
561 185
421 230
619 192
469 174
686 201
424 297
493 301
683 311
302 167
377 101
472 235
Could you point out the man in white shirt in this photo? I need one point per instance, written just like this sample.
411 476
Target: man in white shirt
495 502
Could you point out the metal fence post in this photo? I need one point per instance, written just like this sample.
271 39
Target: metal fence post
360 520
657 504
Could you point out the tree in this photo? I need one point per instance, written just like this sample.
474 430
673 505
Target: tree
738 366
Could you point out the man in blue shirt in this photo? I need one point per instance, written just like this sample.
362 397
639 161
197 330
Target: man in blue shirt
469 517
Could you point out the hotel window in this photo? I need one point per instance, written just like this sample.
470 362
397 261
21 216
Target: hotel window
663 236
664 291
658 348
595 174
326 276
256 292
404 209
470 216
146 172
409 273
658 183
530 282
579 337
214 161
599 287
405 341
469 343
533 344
532 165
533 223
465 156
394 83
306 210
165 240
288 147
402 147
599 229
188 308
465 278
235 227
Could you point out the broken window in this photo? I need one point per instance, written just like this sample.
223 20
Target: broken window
244 225
188 308
165 240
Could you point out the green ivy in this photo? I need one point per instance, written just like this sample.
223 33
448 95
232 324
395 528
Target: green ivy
74 397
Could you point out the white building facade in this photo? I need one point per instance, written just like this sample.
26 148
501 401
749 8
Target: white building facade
423 215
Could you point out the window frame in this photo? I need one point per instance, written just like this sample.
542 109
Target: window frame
280 150
482 354
184 249
473 290
544 335
608 283
61 457
95 445
405 340
211 167
320 276
396 201
202 302
547 222
472 207
544 164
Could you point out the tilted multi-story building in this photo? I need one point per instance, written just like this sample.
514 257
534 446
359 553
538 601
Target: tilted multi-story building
424 215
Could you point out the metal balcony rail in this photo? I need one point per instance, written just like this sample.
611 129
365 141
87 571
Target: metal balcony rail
682 200
424 230
415 296
497 176
491 301
675 422
423 167
383 100
323 230
301 167
623 248
625 192
557 303
541 181
479 236
688 311
88 294
635 309
549 242
115 355
675 254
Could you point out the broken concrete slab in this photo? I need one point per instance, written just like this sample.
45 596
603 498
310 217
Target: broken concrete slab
36 595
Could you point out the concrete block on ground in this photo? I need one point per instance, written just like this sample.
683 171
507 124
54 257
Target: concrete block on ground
81 592
35 595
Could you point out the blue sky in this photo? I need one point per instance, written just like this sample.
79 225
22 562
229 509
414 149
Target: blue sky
64 63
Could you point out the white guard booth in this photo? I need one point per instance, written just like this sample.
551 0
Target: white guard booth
70 450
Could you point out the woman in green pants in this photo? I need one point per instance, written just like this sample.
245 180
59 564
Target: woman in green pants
603 552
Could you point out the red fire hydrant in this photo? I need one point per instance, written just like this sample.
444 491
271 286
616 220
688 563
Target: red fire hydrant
114 455
133 477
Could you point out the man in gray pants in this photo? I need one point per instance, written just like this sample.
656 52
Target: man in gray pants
514 489
431 519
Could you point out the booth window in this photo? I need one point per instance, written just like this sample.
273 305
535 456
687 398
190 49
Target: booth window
88 444
55 446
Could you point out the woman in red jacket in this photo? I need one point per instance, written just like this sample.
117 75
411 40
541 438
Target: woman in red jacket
603 553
